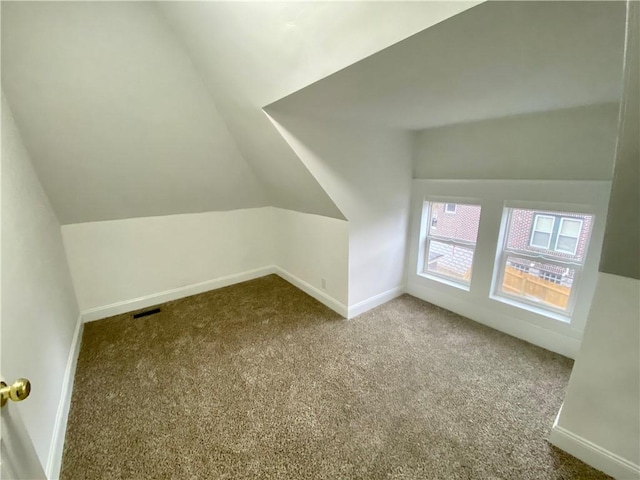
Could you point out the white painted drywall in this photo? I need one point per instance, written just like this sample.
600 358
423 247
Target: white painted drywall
253 53
477 304
570 144
312 248
603 396
367 171
121 265
621 252
116 118
494 60
39 309
602 405
121 260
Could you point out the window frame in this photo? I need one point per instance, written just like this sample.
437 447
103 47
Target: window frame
533 230
575 250
446 207
563 315
423 266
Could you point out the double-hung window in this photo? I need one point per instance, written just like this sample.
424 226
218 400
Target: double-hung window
450 241
541 259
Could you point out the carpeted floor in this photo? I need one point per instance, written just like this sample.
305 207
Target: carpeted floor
258 380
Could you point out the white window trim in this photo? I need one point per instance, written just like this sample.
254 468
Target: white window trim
555 247
533 231
522 302
423 269
446 209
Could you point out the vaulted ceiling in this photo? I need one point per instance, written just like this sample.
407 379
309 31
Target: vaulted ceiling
496 60
132 109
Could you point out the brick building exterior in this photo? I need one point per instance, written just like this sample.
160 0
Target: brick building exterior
521 239
458 221
555 235
521 229
453 221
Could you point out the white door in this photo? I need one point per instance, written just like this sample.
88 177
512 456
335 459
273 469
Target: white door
18 459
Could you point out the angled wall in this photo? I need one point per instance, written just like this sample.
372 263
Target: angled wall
367 171
251 54
116 119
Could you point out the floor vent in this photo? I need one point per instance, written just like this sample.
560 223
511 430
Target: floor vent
147 313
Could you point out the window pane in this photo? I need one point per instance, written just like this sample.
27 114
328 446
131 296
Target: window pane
566 244
544 224
570 227
453 261
459 223
540 239
541 283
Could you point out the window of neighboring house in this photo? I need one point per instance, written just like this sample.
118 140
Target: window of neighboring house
568 235
541 259
449 251
554 232
542 231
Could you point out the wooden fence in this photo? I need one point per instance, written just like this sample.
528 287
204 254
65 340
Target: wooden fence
527 285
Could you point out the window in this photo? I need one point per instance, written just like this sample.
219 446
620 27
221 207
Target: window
449 250
541 259
568 235
554 232
542 230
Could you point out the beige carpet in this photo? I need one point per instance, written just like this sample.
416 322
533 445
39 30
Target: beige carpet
259 380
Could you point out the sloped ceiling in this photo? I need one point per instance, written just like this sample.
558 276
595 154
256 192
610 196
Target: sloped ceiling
116 119
133 109
496 60
252 53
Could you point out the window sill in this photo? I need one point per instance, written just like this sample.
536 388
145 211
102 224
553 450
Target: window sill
450 283
531 308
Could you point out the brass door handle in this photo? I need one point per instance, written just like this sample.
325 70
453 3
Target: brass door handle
18 391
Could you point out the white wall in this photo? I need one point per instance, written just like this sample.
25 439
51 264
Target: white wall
312 248
367 171
477 304
121 265
122 260
39 309
570 144
600 419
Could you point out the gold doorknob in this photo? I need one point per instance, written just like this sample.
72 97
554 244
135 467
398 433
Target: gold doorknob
18 391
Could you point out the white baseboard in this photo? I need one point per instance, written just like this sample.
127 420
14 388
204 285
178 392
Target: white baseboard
173 294
542 337
54 461
319 295
375 301
594 455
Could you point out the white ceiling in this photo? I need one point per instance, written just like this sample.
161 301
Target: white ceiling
114 116
252 53
133 109
495 60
